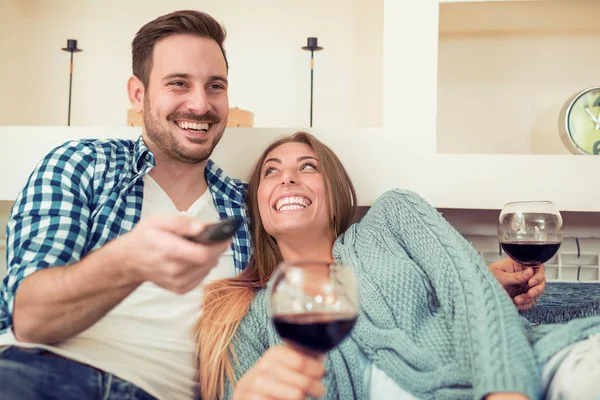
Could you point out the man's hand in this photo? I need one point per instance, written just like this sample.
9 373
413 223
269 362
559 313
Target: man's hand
159 252
282 373
522 283
53 304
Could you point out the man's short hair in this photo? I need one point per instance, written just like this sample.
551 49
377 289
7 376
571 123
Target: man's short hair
186 22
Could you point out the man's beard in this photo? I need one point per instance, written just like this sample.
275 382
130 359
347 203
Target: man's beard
165 139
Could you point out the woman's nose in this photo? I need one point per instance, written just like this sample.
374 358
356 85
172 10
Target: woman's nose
288 179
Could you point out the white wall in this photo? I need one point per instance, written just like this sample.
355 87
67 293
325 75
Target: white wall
368 63
13 45
269 72
410 73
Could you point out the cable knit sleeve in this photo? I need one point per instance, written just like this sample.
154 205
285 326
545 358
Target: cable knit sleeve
436 321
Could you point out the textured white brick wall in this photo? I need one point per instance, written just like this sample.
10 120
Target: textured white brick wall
577 258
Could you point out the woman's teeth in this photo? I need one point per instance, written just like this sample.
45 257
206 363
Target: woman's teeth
288 207
292 203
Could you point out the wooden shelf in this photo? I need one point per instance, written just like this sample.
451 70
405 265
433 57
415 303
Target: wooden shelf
519 17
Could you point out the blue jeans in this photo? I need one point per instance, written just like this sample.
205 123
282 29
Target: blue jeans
36 374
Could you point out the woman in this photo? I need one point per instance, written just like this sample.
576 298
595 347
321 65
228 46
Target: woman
434 295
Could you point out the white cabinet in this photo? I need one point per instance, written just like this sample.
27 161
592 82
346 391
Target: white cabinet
454 172
505 70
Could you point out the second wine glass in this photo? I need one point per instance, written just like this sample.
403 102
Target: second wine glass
530 232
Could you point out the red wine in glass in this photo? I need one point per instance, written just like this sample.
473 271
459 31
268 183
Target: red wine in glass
317 332
313 305
531 253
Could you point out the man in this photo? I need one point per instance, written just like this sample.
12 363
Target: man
116 316
102 288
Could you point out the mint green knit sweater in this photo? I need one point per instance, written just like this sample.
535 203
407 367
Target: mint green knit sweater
432 315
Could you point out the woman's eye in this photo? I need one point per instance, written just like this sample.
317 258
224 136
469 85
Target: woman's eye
308 166
269 171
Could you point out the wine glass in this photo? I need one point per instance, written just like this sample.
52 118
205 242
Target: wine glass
530 232
313 305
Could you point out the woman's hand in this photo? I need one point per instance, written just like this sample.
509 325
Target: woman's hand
282 373
506 396
522 283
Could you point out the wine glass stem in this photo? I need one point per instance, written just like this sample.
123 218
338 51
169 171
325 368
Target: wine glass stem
534 308
534 300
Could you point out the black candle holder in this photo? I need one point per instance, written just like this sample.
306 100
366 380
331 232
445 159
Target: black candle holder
311 45
71 48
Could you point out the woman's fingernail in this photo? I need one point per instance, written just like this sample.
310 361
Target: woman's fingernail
533 282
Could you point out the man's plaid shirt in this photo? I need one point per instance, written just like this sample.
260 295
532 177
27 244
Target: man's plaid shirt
85 193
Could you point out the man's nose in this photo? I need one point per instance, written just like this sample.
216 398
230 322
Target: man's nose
198 102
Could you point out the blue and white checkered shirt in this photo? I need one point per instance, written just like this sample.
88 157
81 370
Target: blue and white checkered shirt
86 193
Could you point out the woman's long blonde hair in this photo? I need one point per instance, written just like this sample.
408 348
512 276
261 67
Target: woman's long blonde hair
227 301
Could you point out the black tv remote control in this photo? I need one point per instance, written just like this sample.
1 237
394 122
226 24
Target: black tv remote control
217 232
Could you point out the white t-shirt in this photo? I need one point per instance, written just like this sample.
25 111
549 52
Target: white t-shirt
148 338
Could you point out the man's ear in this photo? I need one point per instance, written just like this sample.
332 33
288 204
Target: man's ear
136 92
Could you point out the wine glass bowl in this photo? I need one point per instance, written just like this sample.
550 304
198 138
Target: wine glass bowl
530 232
313 305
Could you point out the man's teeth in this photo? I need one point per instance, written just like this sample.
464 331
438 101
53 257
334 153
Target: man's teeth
196 126
292 203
